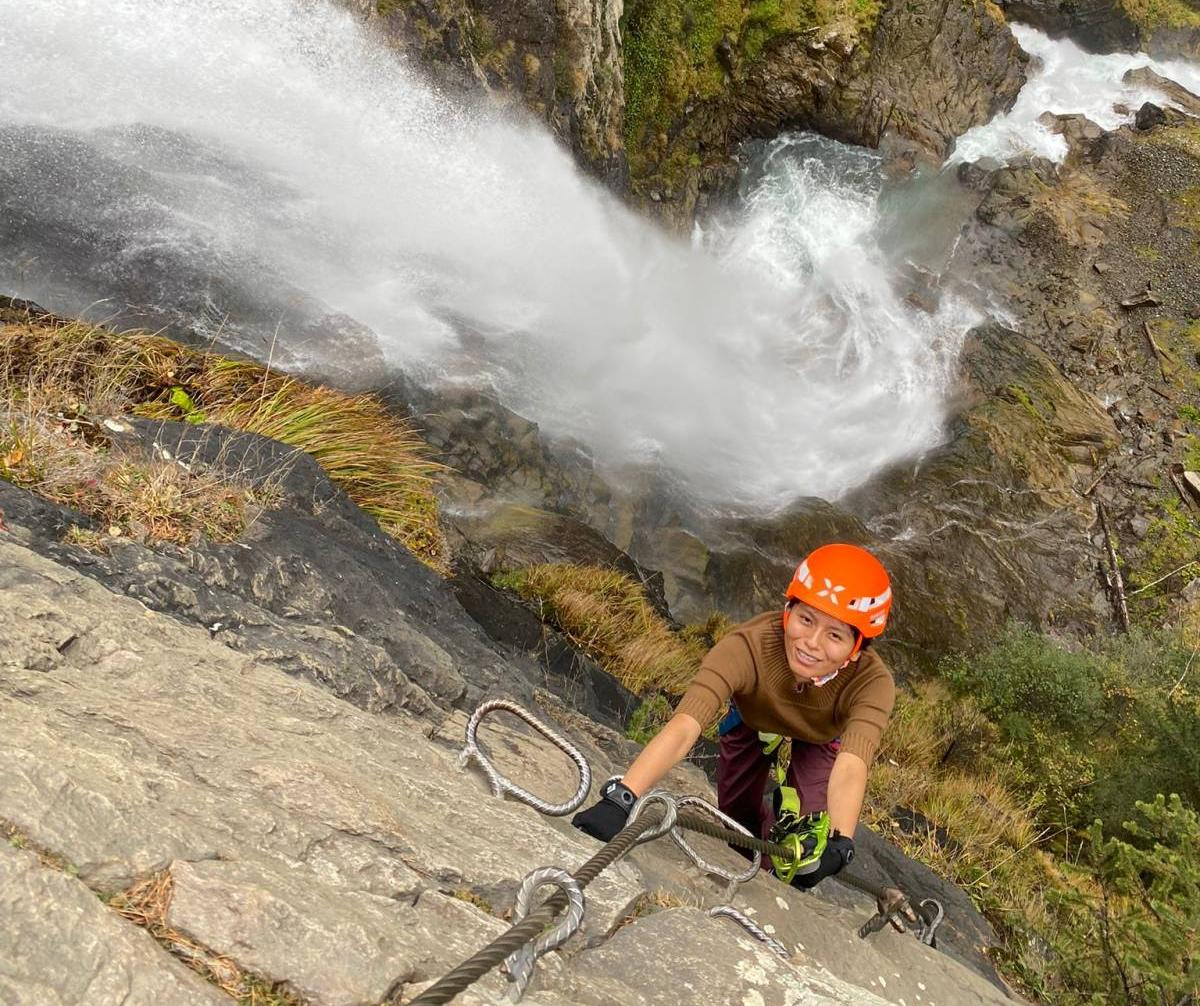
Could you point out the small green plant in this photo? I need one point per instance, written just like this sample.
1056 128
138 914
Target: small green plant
649 718
1154 14
183 402
471 898
1135 937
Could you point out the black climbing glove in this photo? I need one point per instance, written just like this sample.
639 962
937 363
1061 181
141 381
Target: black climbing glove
605 818
839 850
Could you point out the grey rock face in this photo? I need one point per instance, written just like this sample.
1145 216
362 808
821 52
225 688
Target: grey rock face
60 946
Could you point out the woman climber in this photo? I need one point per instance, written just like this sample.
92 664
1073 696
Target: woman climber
808 676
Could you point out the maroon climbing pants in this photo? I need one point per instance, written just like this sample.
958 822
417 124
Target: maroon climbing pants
742 770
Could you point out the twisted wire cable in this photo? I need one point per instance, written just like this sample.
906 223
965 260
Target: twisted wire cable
521 962
500 784
748 924
475 967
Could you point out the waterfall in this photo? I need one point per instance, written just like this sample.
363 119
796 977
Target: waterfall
219 161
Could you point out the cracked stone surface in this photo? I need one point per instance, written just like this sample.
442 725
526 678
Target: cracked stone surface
59 945
341 851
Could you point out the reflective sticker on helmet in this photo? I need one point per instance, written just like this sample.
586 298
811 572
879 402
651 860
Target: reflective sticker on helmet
865 604
831 591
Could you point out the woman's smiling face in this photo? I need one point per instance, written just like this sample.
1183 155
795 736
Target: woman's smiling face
816 644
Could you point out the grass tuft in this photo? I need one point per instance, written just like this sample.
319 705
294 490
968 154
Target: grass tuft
146 904
605 613
651 902
56 376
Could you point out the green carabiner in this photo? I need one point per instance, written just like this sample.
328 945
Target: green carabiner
804 836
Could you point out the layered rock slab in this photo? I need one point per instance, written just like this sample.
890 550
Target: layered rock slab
59 945
134 744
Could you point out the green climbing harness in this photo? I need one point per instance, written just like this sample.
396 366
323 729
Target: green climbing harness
804 836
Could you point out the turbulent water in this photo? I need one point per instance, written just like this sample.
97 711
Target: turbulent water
1063 80
228 140
224 161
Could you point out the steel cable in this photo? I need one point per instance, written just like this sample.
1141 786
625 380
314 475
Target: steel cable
474 968
713 830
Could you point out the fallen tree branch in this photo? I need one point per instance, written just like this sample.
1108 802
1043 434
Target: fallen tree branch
1115 582
1097 480
1156 351
1167 576
1188 500
1187 667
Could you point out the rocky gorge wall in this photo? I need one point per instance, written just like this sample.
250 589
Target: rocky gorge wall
1167 29
656 97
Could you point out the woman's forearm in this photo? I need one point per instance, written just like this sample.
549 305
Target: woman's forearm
847 788
663 753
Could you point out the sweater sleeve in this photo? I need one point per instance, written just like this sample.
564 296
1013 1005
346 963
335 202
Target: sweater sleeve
726 670
870 707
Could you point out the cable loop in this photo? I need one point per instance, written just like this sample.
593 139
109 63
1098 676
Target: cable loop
733 879
520 963
500 784
729 912
670 813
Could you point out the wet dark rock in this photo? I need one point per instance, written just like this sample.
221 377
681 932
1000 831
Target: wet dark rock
1104 26
1095 25
366 606
586 687
1149 116
726 56
1144 76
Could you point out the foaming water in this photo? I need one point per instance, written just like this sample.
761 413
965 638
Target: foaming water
769 360
1068 81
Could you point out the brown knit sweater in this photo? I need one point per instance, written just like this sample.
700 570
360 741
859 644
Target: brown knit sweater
749 665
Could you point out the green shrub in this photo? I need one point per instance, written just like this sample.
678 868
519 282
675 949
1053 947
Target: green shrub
649 718
1134 934
1025 681
1090 730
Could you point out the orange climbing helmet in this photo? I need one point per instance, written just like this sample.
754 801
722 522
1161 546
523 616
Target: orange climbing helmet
847 582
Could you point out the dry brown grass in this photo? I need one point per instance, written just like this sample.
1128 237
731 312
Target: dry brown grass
981 834
146 904
649 902
56 376
605 613
67 460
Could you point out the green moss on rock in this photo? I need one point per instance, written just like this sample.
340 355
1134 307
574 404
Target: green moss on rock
1150 15
1168 557
672 55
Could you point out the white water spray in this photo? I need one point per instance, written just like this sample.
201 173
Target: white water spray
1069 81
773 361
